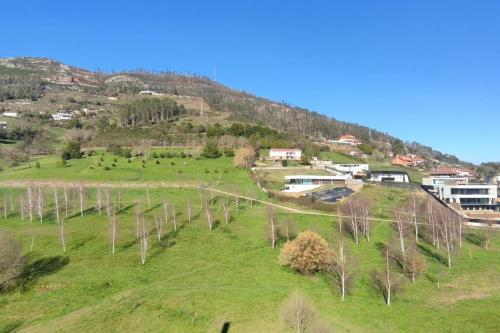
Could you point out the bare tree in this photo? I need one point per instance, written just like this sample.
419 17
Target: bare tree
56 203
158 229
446 228
415 263
272 227
40 204
174 218
81 191
401 226
189 210
351 208
413 212
149 198
99 205
487 232
341 264
65 201
287 229
227 214
364 209
63 242
143 240
299 314
165 211
30 199
114 224
210 216
386 280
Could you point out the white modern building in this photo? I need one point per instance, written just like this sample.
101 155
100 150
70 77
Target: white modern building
389 176
353 169
432 181
62 116
469 196
300 183
11 114
277 154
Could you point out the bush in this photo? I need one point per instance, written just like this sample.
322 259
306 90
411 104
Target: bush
154 155
102 159
207 171
107 168
179 171
119 151
162 155
216 171
91 152
63 162
211 150
143 161
113 165
72 151
228 152
308 253
169 155
129 160
37 165
157 162
284 163
172 163
182 154
99 164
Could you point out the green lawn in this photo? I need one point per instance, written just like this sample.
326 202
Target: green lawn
218 172
196 279
337 157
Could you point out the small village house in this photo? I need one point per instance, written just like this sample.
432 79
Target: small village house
279 154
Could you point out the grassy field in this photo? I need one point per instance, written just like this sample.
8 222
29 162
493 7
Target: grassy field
218 172
194 280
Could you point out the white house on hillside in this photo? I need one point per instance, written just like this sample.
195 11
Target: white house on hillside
285 154
389 176
469 196
11 114
352 168
300 183
62 116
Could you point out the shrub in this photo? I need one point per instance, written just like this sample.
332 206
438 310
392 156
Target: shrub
284 163
37 165
157 162
72 151
91 152
228 152
144 165
91 167
102 159
162 155
182 154
169 155
113 165
216 171
179 171
154 155
211 150
172 163
107 168
226 171
308 253
143 161
63 162
207 171
129 160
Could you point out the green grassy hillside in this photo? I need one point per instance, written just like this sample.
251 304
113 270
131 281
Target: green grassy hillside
194 279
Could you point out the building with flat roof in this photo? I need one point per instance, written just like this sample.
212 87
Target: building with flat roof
300 183
352 168
278 154
469 196
389 176
11 114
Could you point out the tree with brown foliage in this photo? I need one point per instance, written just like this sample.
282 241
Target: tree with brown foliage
308 253
244 157
415 264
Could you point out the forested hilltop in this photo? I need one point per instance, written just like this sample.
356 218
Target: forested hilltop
38 87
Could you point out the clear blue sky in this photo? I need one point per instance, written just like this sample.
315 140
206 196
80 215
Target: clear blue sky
427 71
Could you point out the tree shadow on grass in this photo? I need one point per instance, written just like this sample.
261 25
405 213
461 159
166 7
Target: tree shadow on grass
85 211
11 327
475 239
82 242
39 268
125 209
432 254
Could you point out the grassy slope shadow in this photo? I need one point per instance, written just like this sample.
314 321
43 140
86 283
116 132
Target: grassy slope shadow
39 268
